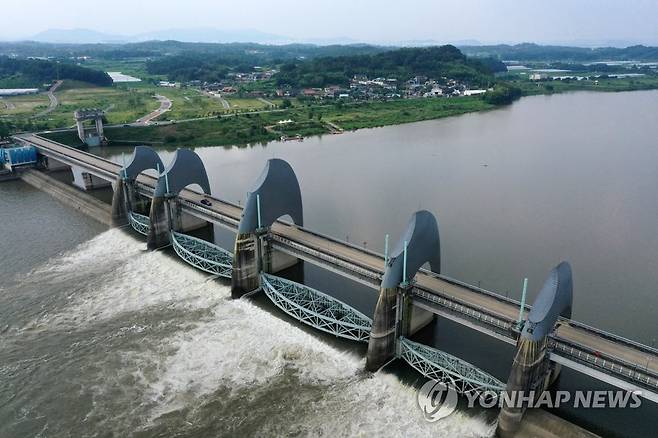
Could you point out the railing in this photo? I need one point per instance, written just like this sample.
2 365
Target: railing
316 309
629 372
322 256
203 255
139 222
464 377
501 326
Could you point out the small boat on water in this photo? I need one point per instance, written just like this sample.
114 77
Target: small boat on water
296 137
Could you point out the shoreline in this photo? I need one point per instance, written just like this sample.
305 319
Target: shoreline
251 128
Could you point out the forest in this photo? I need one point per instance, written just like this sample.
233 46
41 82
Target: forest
402 64
535 52
33 73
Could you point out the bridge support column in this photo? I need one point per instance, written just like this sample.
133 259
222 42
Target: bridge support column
184 222
395 314
160 220
122 202
87 181
246 264
383 337
276 194
274 261
81 130
532 371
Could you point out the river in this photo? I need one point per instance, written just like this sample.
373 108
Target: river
100 337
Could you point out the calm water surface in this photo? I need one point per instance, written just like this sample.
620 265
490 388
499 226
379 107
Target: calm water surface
100 337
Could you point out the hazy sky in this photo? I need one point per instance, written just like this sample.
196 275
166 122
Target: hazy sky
371 21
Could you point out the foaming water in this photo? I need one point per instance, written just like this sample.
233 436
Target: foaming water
137 341
113 274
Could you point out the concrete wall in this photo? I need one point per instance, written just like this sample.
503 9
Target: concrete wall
69 195
87 181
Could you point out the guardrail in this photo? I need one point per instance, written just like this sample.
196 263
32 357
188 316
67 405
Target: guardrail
303 249
497 324
626 371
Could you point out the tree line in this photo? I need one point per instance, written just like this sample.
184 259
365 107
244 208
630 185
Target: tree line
33 73
535 52
402 64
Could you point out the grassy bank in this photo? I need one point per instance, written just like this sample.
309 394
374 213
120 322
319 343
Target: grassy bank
237 129
610 85
227 128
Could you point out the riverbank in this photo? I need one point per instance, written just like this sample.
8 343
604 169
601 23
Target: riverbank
303 121
331 118
601 85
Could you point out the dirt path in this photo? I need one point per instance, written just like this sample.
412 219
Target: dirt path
267 102
53 100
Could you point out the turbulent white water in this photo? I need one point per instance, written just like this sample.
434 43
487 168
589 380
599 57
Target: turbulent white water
163 348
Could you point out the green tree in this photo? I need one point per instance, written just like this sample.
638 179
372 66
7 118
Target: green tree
4 130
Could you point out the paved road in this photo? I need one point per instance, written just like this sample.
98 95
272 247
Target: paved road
223 101
568 331
266 102
165 105
53 100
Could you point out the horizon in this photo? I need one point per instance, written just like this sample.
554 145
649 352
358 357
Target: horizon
69 36
586 24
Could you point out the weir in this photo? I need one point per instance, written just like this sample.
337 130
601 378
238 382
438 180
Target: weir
276 193
166 214
409 295
395 316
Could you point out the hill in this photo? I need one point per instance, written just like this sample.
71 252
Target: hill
402 64
535 52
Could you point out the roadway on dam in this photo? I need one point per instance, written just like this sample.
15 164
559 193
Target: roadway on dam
635 355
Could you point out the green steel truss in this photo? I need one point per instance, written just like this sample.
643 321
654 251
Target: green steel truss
443 367
139 222
316 309
203 255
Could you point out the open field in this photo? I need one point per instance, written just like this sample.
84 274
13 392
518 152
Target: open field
123 105
132 67
23 106
602 84
246 104
236 129
372 114
188 103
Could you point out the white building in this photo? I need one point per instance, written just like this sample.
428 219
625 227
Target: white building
474 92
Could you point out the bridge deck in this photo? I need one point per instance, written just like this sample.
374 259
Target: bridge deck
430 288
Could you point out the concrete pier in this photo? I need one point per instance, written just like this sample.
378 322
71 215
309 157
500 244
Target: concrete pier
246 264
160 223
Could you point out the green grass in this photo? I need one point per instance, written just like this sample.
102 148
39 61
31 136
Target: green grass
372 114
228 128
253 128
123 105
22 106
610 85
189 103
246 104
133 67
